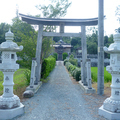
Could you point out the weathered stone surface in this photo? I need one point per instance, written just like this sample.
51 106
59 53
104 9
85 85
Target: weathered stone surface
112 105
28 94
10 105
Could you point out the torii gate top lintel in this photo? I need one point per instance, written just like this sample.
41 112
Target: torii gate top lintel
57 22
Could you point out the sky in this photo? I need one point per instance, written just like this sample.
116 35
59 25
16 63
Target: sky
79 9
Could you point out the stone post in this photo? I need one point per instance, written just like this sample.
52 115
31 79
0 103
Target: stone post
32 79
100 87
111 106
10 105
84 54
81 72
88 64
38 55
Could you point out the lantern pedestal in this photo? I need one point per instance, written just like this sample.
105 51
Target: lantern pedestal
12 113
10 106
111 106
109 115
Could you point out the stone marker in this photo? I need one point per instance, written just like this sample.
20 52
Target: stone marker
111 106
81 72
87 89
32 79
88 65
10 105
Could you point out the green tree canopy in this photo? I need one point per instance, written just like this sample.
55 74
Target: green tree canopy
3 29
20 28
56 9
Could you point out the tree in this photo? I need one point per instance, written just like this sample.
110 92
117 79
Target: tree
27 36
56 39
117 12
105 40
46 47
56 9
92 41
3 29
92 48
19 28
75 42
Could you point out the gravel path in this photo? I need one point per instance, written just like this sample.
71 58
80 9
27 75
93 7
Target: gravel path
59 99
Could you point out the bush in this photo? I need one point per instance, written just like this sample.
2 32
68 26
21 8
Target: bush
72 56
64 55
55 55
75 71
73 61
24 64
47 66
27 74
78 74
66 60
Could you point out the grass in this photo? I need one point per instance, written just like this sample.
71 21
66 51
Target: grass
107 76
20 82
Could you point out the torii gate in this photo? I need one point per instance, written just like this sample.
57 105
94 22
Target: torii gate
62 23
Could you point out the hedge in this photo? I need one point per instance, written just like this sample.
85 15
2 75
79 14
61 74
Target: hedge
66 60
75 71
64 55
47 66
55 55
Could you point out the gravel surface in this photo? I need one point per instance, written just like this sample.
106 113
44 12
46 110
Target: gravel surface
61 99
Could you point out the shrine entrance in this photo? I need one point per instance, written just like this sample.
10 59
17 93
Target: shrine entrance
60 52
62 23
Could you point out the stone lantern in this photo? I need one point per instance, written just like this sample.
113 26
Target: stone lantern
10 105
111 106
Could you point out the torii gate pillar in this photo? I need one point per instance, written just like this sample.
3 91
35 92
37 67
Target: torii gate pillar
84 54
38 54
100 87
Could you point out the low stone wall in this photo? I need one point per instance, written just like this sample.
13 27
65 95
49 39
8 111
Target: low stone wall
94 62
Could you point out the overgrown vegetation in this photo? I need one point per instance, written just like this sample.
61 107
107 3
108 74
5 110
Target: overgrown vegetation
107 76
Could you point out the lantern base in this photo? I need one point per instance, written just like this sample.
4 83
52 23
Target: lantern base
111 105
109 115
10 102
12 113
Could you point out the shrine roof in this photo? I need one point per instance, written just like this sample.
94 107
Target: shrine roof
57 21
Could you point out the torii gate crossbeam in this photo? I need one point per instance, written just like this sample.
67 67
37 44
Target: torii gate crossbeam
60 22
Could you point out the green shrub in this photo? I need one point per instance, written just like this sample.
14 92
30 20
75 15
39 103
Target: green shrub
78 74
27 74
72 56
64 55
47 66
55 55
72 68
75 71
73 61
66 60
24 64
67 65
